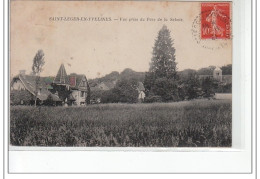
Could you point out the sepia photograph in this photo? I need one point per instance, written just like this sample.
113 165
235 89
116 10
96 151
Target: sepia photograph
120 74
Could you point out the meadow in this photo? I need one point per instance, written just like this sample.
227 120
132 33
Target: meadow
202 123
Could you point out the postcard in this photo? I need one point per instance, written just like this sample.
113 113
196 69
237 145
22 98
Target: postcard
120 74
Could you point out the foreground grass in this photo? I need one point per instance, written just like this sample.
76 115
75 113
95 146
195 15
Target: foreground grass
183 124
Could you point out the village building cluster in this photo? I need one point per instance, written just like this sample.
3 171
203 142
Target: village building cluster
72 89
62 89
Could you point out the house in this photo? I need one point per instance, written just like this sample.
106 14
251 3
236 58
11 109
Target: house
23 90
140 89
72 89
217 75
62 89
106 85
79 88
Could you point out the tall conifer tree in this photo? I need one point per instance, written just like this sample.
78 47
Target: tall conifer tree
161 80
163 61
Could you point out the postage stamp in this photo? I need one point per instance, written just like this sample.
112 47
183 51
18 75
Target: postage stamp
215 20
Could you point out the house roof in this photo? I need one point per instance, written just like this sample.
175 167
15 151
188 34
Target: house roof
78 78
29 82
61 77
43 95
74 80
106 85
44 83
217 69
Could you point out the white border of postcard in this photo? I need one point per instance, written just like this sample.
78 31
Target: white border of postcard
238 159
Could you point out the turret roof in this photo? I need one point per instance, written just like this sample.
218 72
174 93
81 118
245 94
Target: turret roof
217 69
61 77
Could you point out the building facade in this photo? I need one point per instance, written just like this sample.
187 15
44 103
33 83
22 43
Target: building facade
217 75
62 89
141 93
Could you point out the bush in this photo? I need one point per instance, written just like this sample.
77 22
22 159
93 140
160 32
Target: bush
125 91
209 86
153 99
21 97
96 94
224 88
109 97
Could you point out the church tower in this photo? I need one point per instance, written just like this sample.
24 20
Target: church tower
217 74
61 77
61 84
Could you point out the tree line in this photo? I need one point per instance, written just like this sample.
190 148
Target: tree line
163 83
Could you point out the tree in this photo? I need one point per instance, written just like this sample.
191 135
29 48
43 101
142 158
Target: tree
166 88
192 87
37 67
131 74
95 94
162 73
209 85
109 97
163 61
227 70
88 95
185 74
206 71
149 83
18 97
126 91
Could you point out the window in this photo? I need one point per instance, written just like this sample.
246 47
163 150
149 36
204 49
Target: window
39 91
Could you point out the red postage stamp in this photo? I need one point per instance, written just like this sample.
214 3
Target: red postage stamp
215 21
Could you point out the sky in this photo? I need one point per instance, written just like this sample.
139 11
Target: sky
96 48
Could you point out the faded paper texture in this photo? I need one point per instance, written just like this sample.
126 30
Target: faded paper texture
99 47
120 74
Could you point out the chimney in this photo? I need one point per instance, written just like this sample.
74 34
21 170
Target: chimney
22 72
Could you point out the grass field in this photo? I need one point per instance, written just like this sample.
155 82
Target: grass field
205 123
